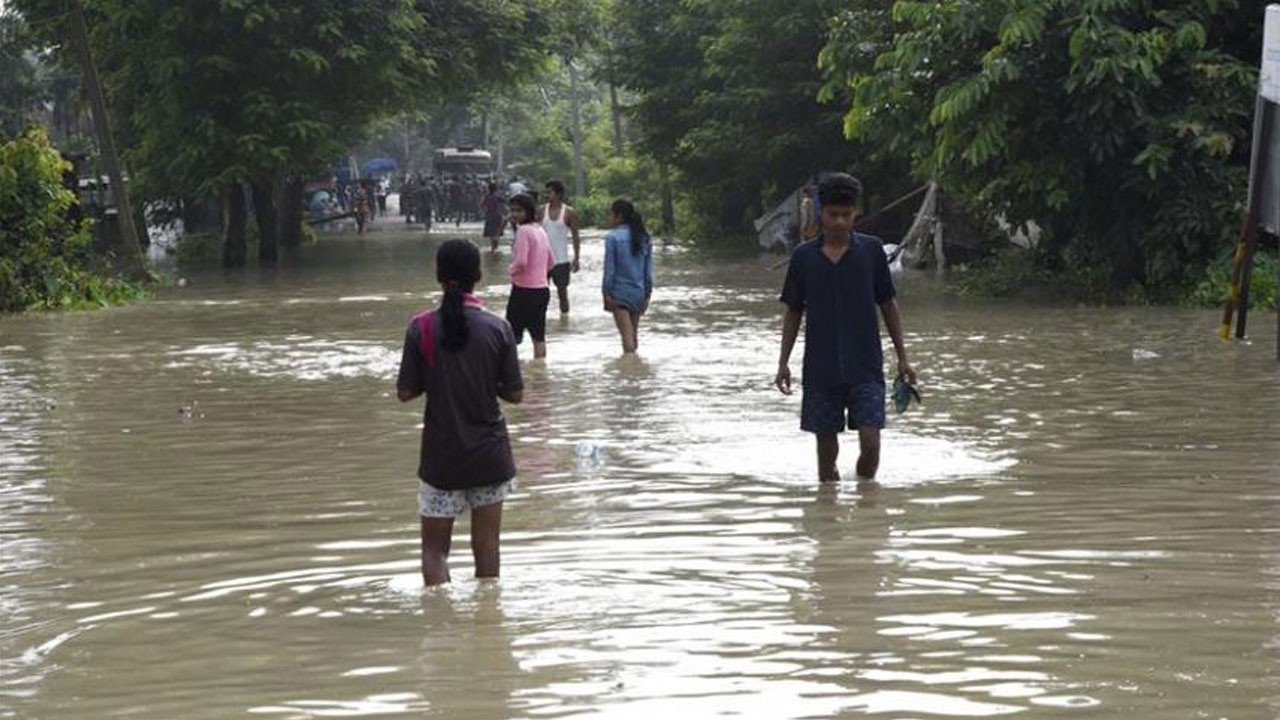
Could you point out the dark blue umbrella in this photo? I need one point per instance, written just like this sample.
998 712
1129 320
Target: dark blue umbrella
377 165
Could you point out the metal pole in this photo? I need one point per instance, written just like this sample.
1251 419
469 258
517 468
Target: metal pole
132 251
1248 230
1256 184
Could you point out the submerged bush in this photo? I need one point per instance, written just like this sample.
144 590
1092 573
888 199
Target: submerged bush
1018 273
46 253
1213 289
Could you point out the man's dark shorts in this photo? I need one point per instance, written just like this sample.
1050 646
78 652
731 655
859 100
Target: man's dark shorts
527 310
560 274
829 411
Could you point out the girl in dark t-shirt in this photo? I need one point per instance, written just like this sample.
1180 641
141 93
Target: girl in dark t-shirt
464 359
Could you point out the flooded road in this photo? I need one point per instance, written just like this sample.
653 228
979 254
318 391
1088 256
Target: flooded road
207 510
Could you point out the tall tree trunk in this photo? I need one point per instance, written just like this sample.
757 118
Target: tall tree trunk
668 200
575 103
201 214
408 155
290 209
502 147
234 250
140 224
618 146
1128 261
264 211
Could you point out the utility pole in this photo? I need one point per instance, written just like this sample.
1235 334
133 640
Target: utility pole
134 264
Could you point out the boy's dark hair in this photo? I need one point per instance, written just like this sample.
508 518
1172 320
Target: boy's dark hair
557 186
530 207
839 189
458 270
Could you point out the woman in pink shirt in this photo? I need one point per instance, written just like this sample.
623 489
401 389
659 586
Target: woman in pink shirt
530 264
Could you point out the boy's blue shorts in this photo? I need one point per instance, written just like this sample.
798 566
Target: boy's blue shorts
831 410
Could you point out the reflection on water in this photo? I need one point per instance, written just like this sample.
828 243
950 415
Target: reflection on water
207 511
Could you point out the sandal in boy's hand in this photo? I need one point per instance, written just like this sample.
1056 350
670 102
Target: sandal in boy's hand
903 393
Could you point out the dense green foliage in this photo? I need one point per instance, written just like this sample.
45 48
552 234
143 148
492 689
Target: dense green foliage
46 257
19 85
728 93
223 93
1120 126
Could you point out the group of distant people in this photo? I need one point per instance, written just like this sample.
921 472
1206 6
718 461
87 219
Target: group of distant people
426 199
362 200
465 359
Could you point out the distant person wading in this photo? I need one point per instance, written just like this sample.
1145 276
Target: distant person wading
628 272
560 222
494 210
531 263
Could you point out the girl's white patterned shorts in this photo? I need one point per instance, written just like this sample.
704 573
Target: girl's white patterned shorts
436 503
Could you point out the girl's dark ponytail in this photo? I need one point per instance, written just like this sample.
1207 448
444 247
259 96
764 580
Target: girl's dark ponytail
635 221
453 319
458 270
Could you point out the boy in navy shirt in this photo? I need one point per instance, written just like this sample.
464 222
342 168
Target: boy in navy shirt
840 280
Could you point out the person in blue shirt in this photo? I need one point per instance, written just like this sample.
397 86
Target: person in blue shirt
628 272
837 283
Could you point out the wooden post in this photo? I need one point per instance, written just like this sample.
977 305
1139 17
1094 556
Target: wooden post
1246 278
134 264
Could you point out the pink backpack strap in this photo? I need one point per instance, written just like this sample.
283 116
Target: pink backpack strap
426 323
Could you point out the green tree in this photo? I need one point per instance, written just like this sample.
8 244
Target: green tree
727 92
1120 125
19 80
208 119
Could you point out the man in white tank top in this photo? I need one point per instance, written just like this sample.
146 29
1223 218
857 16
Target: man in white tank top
560 222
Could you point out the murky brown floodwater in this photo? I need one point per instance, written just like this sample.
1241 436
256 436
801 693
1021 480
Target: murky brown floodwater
1081 521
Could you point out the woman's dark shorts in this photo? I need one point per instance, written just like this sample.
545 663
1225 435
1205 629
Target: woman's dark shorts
527 310
829 411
